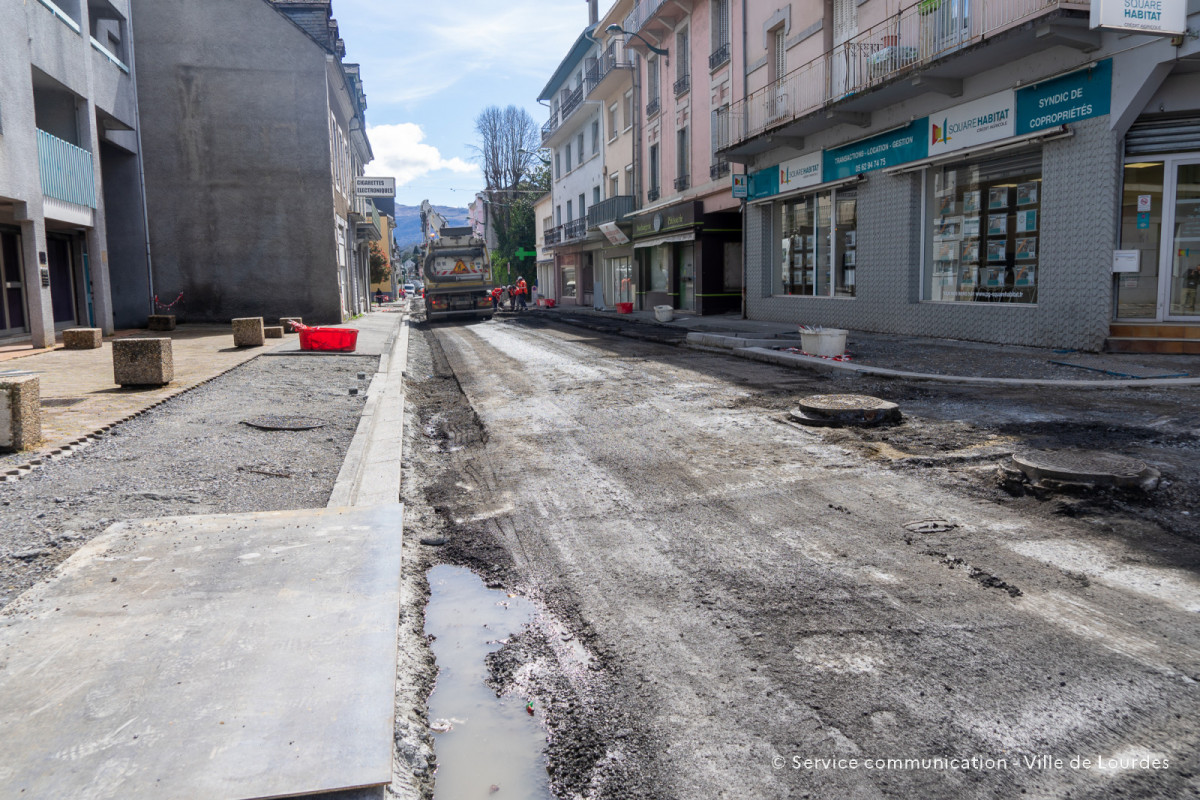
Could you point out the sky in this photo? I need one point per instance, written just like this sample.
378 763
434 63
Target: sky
429 68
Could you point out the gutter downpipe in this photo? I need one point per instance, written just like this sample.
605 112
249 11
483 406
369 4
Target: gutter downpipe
745 167
141 161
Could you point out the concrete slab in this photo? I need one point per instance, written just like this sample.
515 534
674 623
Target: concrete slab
230 656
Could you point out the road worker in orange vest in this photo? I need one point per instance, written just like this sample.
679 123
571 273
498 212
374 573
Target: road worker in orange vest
496 298
522 290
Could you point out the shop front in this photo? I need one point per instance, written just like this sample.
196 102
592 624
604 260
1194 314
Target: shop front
687 259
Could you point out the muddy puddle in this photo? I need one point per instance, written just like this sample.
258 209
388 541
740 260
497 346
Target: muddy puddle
487 746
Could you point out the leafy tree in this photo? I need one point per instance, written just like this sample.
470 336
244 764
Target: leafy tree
381 266
515 176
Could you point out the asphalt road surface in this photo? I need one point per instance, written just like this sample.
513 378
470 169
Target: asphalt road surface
744 612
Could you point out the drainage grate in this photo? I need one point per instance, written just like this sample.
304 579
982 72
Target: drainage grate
60 402
272 422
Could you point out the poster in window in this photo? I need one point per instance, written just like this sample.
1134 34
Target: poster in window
997 224
1027 248
948 228
970 253
970 227
996 251
945 205
1025 275
967 276
993 278
1027 221
946 251
1027 193
970 201
947 183
851 238
998 198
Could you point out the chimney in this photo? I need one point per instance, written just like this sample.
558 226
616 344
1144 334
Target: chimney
593 12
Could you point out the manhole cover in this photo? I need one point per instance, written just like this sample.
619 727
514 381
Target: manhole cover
845 409
60 402
929 526
271 422
1086 466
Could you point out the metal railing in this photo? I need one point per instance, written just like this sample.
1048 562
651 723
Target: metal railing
612 209
575 229
550 126
66 170
719 56
652 107
682 183
611 59
642 12
683 84
911 38
719 169
110 55
652 194
570 101
552 235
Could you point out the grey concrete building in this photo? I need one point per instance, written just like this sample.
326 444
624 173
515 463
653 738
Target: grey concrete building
1015 176
72 235
253 133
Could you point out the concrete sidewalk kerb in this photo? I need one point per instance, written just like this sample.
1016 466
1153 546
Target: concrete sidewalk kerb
764 342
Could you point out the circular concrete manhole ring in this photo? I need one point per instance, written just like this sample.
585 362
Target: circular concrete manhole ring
274 422
1086 466
845 409
930 526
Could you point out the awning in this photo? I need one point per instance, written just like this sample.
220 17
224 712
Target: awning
687 236
820 187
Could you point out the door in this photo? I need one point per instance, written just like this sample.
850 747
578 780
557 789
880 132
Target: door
12 290
62 280
687 277
1181 264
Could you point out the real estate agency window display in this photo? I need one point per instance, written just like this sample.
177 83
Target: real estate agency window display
817 256
983 235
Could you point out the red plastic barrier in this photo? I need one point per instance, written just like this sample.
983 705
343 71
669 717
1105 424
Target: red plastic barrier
340 339
624 308
549 302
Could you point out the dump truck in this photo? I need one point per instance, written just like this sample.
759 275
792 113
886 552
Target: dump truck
457 270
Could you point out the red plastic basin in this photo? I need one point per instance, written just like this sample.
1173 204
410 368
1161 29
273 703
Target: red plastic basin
624 308
342 339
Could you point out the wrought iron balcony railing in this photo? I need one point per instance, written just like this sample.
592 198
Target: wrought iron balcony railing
683 85
719 169
652 194
652 107
719 56
614 209
682 183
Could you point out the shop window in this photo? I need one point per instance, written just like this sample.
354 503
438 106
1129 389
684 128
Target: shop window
983 243
660 260
818 244
622 277
568 281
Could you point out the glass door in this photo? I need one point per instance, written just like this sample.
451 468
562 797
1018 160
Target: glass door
1141 227
1182 262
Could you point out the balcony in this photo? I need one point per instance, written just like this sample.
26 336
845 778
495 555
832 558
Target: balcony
652 107
552 236
66 170
719 57
682 183
614 209
569 101
604 73
575 229
719 169
904 56
683 85
643 12
652 194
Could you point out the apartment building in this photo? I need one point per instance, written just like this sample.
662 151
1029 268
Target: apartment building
1000 172
573 136
543 220
687 234
72 238
254 134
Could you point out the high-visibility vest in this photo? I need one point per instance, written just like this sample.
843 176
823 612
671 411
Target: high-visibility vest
521 286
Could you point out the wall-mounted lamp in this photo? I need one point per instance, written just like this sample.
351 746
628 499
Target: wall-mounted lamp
615 28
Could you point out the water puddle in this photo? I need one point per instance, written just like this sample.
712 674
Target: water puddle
487 746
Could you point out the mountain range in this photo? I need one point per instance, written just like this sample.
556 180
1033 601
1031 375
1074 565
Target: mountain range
408 222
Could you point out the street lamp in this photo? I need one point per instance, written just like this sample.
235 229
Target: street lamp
615 28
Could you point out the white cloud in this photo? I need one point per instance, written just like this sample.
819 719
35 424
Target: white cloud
400 152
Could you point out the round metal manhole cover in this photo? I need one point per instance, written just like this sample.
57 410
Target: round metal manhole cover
273 422
833 403
1083 466
845 409
930 526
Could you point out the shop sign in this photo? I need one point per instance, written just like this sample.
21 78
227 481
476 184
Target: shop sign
614 234
883 150
764 183
665 221
798 173
741 185
1069 98
374 187
1140 16
977 122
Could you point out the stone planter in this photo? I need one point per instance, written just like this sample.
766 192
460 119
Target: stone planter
82 338
20 412
143 362
248 332
161 322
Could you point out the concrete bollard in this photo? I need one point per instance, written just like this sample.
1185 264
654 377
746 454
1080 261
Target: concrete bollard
143 362
248 332
82 338
286 322
20 412
161 322
273 331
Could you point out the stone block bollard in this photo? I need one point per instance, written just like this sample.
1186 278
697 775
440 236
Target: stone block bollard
161 322
20 412
273 331
248 332
82 338
286 322
143 362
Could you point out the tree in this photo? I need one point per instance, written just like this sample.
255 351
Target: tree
381 266
509 139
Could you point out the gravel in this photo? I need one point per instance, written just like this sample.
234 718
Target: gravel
188 456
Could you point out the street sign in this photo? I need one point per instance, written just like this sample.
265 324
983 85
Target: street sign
523 253
374 187
740 187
